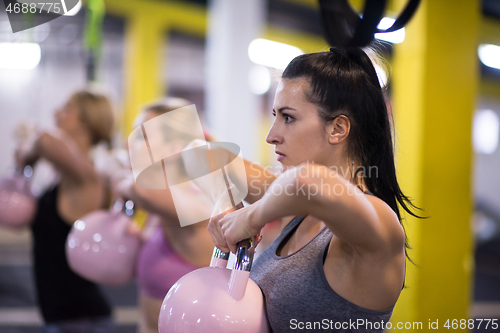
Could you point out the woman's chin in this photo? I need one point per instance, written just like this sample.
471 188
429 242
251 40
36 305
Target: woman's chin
285 167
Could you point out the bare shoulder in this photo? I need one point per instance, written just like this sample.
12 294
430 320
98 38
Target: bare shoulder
394 232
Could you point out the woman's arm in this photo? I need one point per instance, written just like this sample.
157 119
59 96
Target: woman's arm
367 224
63 153
156 201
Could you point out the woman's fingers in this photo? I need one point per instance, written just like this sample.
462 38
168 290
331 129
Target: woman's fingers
229 228
256 240
216 233
234 227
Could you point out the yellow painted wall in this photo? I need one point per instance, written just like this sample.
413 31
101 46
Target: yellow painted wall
435 87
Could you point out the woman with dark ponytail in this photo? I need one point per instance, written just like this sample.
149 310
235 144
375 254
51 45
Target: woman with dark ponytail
339 263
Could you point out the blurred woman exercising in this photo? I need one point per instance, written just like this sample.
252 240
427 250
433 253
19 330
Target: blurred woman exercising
69 303
171 251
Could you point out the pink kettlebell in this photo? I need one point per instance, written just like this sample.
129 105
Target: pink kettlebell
17 202
216 299
100 248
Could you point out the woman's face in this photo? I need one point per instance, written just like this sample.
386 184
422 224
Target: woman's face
147 115
68 117
297 132
143 117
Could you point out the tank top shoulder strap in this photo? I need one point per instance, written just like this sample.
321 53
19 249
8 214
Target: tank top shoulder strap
287 230
292 225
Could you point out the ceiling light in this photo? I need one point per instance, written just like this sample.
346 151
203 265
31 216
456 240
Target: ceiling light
272 54
489 55
485 131
19 55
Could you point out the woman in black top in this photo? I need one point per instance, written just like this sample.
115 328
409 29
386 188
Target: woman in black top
69 303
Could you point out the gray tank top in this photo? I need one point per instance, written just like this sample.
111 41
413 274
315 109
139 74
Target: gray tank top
299 298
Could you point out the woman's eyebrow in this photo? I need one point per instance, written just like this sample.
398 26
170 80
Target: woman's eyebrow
280 110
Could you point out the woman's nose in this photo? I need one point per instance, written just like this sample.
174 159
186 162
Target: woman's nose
58 112
274 137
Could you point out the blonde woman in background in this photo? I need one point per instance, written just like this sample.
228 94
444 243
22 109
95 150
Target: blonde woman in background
69 303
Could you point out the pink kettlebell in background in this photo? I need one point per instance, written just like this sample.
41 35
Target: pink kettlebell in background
17 203
100 247
216 299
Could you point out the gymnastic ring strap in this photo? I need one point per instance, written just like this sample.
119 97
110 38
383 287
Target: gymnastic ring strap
345 28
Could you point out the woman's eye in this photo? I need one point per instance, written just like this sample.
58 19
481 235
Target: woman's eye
287 118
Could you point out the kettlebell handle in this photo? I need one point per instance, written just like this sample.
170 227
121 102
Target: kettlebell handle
219 258
125 206
240 273
244 256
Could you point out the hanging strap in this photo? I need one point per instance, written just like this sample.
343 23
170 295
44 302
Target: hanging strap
344 27
404 17
92 39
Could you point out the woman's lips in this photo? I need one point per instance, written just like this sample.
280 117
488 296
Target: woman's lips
280 156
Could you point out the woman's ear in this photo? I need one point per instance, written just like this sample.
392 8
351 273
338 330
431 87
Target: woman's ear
338 129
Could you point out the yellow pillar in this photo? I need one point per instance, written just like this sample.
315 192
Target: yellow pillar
435 85
144 37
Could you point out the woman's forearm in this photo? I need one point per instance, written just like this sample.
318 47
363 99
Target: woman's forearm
64 156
